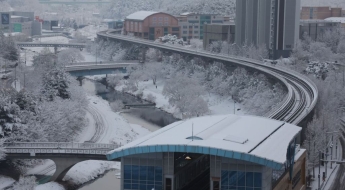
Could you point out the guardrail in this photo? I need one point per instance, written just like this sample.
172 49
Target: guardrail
59 145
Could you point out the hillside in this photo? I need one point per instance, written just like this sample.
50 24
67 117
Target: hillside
119 9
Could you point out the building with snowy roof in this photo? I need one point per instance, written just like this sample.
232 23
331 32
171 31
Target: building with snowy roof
215 152
151 25
337 19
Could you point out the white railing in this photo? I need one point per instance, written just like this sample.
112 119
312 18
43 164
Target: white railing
59 145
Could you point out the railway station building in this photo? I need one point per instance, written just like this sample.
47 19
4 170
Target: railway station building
223 152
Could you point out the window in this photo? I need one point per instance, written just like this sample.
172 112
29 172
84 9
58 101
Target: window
196 32
185 27
160 19
140 27
143 177
154 19
160 24
166 19
184 32
175 29
190 27
240 180
288 46
196 26
166 24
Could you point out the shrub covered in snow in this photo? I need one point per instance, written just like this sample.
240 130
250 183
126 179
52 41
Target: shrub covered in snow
151 98
24 183
117 105
171 39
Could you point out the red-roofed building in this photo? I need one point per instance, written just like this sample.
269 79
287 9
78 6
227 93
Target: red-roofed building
151 25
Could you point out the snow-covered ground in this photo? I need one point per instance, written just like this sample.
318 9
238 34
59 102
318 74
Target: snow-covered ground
91 31
50 186
217 105
118 129
5 181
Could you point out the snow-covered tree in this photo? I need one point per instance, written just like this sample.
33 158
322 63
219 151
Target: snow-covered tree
181 91
117 105
79 38
120 9
67 56
2 149
170 39
115 79
320 52
151 98
56 83
153 71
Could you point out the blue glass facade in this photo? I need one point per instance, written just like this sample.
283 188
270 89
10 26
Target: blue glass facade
239 180
143 177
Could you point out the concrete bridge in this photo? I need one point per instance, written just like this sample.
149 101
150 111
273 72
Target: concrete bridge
70 2
93 68
65 155
80 46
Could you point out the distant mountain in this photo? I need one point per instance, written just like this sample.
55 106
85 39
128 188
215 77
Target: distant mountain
119 9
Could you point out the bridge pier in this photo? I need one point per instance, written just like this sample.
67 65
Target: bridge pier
55 50
142 54
63 165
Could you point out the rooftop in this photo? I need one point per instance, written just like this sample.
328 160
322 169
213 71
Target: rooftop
336 19
140 15
315 21
249 138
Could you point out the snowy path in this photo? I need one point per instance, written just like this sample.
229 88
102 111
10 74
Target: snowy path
98 124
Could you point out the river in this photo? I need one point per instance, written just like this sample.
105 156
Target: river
150 118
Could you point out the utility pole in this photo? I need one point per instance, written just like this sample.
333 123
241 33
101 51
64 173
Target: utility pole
319 170
24 81
332 151
15 76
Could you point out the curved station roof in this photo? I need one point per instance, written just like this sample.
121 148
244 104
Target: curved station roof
254 139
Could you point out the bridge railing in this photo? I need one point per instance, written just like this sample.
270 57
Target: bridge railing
60 145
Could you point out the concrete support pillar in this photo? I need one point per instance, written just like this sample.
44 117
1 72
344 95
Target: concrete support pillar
55 50
62 167
142 54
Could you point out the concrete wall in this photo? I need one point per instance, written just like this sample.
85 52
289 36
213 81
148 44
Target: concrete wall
291 28
240 21
36 28
258 23
299 176
218 32
320 12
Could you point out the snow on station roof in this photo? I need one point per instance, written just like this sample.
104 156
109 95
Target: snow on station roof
140 15
255 139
